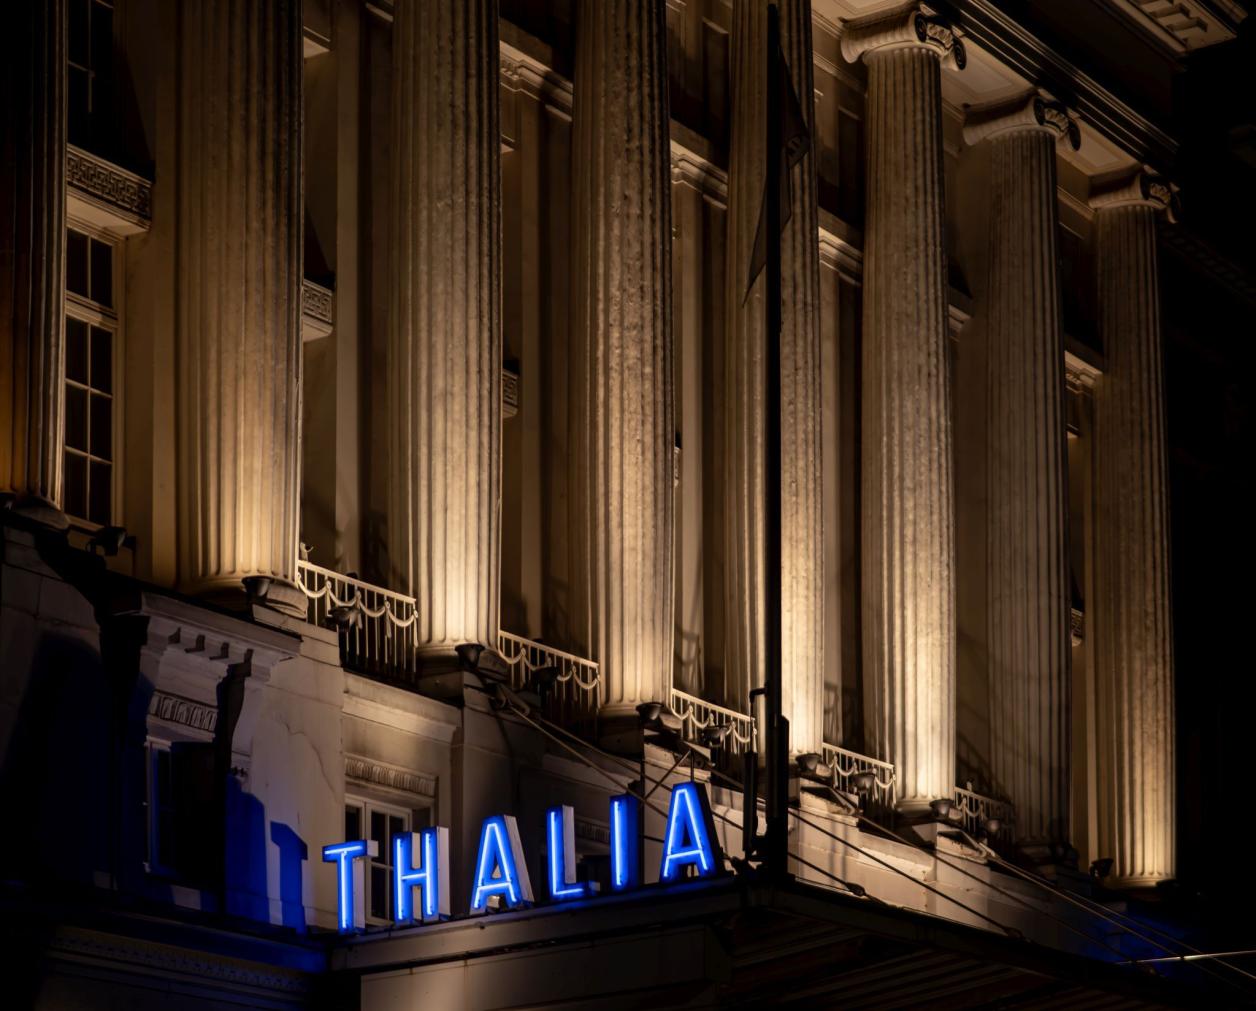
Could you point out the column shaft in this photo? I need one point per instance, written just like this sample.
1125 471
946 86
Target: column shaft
239 265
1027 606
444 330
908 538
1134 658
621 377
32 260
802 560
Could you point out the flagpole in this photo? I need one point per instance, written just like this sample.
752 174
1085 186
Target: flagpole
777 736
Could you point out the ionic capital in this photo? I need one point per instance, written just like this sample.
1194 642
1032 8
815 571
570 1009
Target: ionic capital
1142 188
1031 111
913 25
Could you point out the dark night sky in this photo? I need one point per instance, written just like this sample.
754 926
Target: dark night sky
1209 358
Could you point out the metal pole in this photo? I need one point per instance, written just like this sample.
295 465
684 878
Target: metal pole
777 749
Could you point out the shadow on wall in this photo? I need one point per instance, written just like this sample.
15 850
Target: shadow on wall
293 853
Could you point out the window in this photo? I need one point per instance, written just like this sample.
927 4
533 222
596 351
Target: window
160 814
91 351
381 822
90 73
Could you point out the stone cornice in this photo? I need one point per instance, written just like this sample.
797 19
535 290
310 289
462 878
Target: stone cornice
121 200
910 25
194 715
1031 111
318 310
691 168
1017 48
392 777
1181 26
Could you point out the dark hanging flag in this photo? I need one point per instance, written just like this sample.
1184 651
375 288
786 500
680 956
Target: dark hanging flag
795 143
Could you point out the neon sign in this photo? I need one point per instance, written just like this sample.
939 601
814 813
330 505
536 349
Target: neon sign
421 860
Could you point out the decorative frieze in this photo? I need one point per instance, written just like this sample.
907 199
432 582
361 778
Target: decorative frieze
121 192
318 311
392 777
186 712
510 392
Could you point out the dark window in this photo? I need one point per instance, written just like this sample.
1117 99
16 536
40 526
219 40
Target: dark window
89 360
90 73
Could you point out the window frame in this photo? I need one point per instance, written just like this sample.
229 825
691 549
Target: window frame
366 805
153 747
92 313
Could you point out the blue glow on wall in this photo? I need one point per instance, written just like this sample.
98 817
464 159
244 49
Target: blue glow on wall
625 842
690 836
350 877
500 868
431 877
560 835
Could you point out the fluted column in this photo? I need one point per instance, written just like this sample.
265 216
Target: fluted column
239 263
1027 596
1131 624
623 430
32 260
444 328
802 559
907 484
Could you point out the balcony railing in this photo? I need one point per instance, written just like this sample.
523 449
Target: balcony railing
974 812
376 626
570 684
860 775
378 637
696 714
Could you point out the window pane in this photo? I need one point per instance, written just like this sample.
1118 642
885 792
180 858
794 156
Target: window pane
76 350
101 427
102 273
77 107
353 822
75 490
102 43
102 360
76 418
395 827
76 260
377 831
379 892
77 17
99 489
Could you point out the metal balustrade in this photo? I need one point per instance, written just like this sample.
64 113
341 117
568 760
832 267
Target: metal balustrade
570 684
377 627
696 714
860 775
973 812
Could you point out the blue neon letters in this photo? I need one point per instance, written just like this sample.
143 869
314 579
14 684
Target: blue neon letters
350 898
420 860
625 842
500 868
431 877
688 838
560 837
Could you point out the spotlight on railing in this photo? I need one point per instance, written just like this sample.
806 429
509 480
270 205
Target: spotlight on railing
1101 868
344 617
542 679
110 540
863 782
648 713
991 826
941 808
713 736
476 658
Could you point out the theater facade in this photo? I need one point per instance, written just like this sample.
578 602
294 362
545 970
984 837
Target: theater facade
383 598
